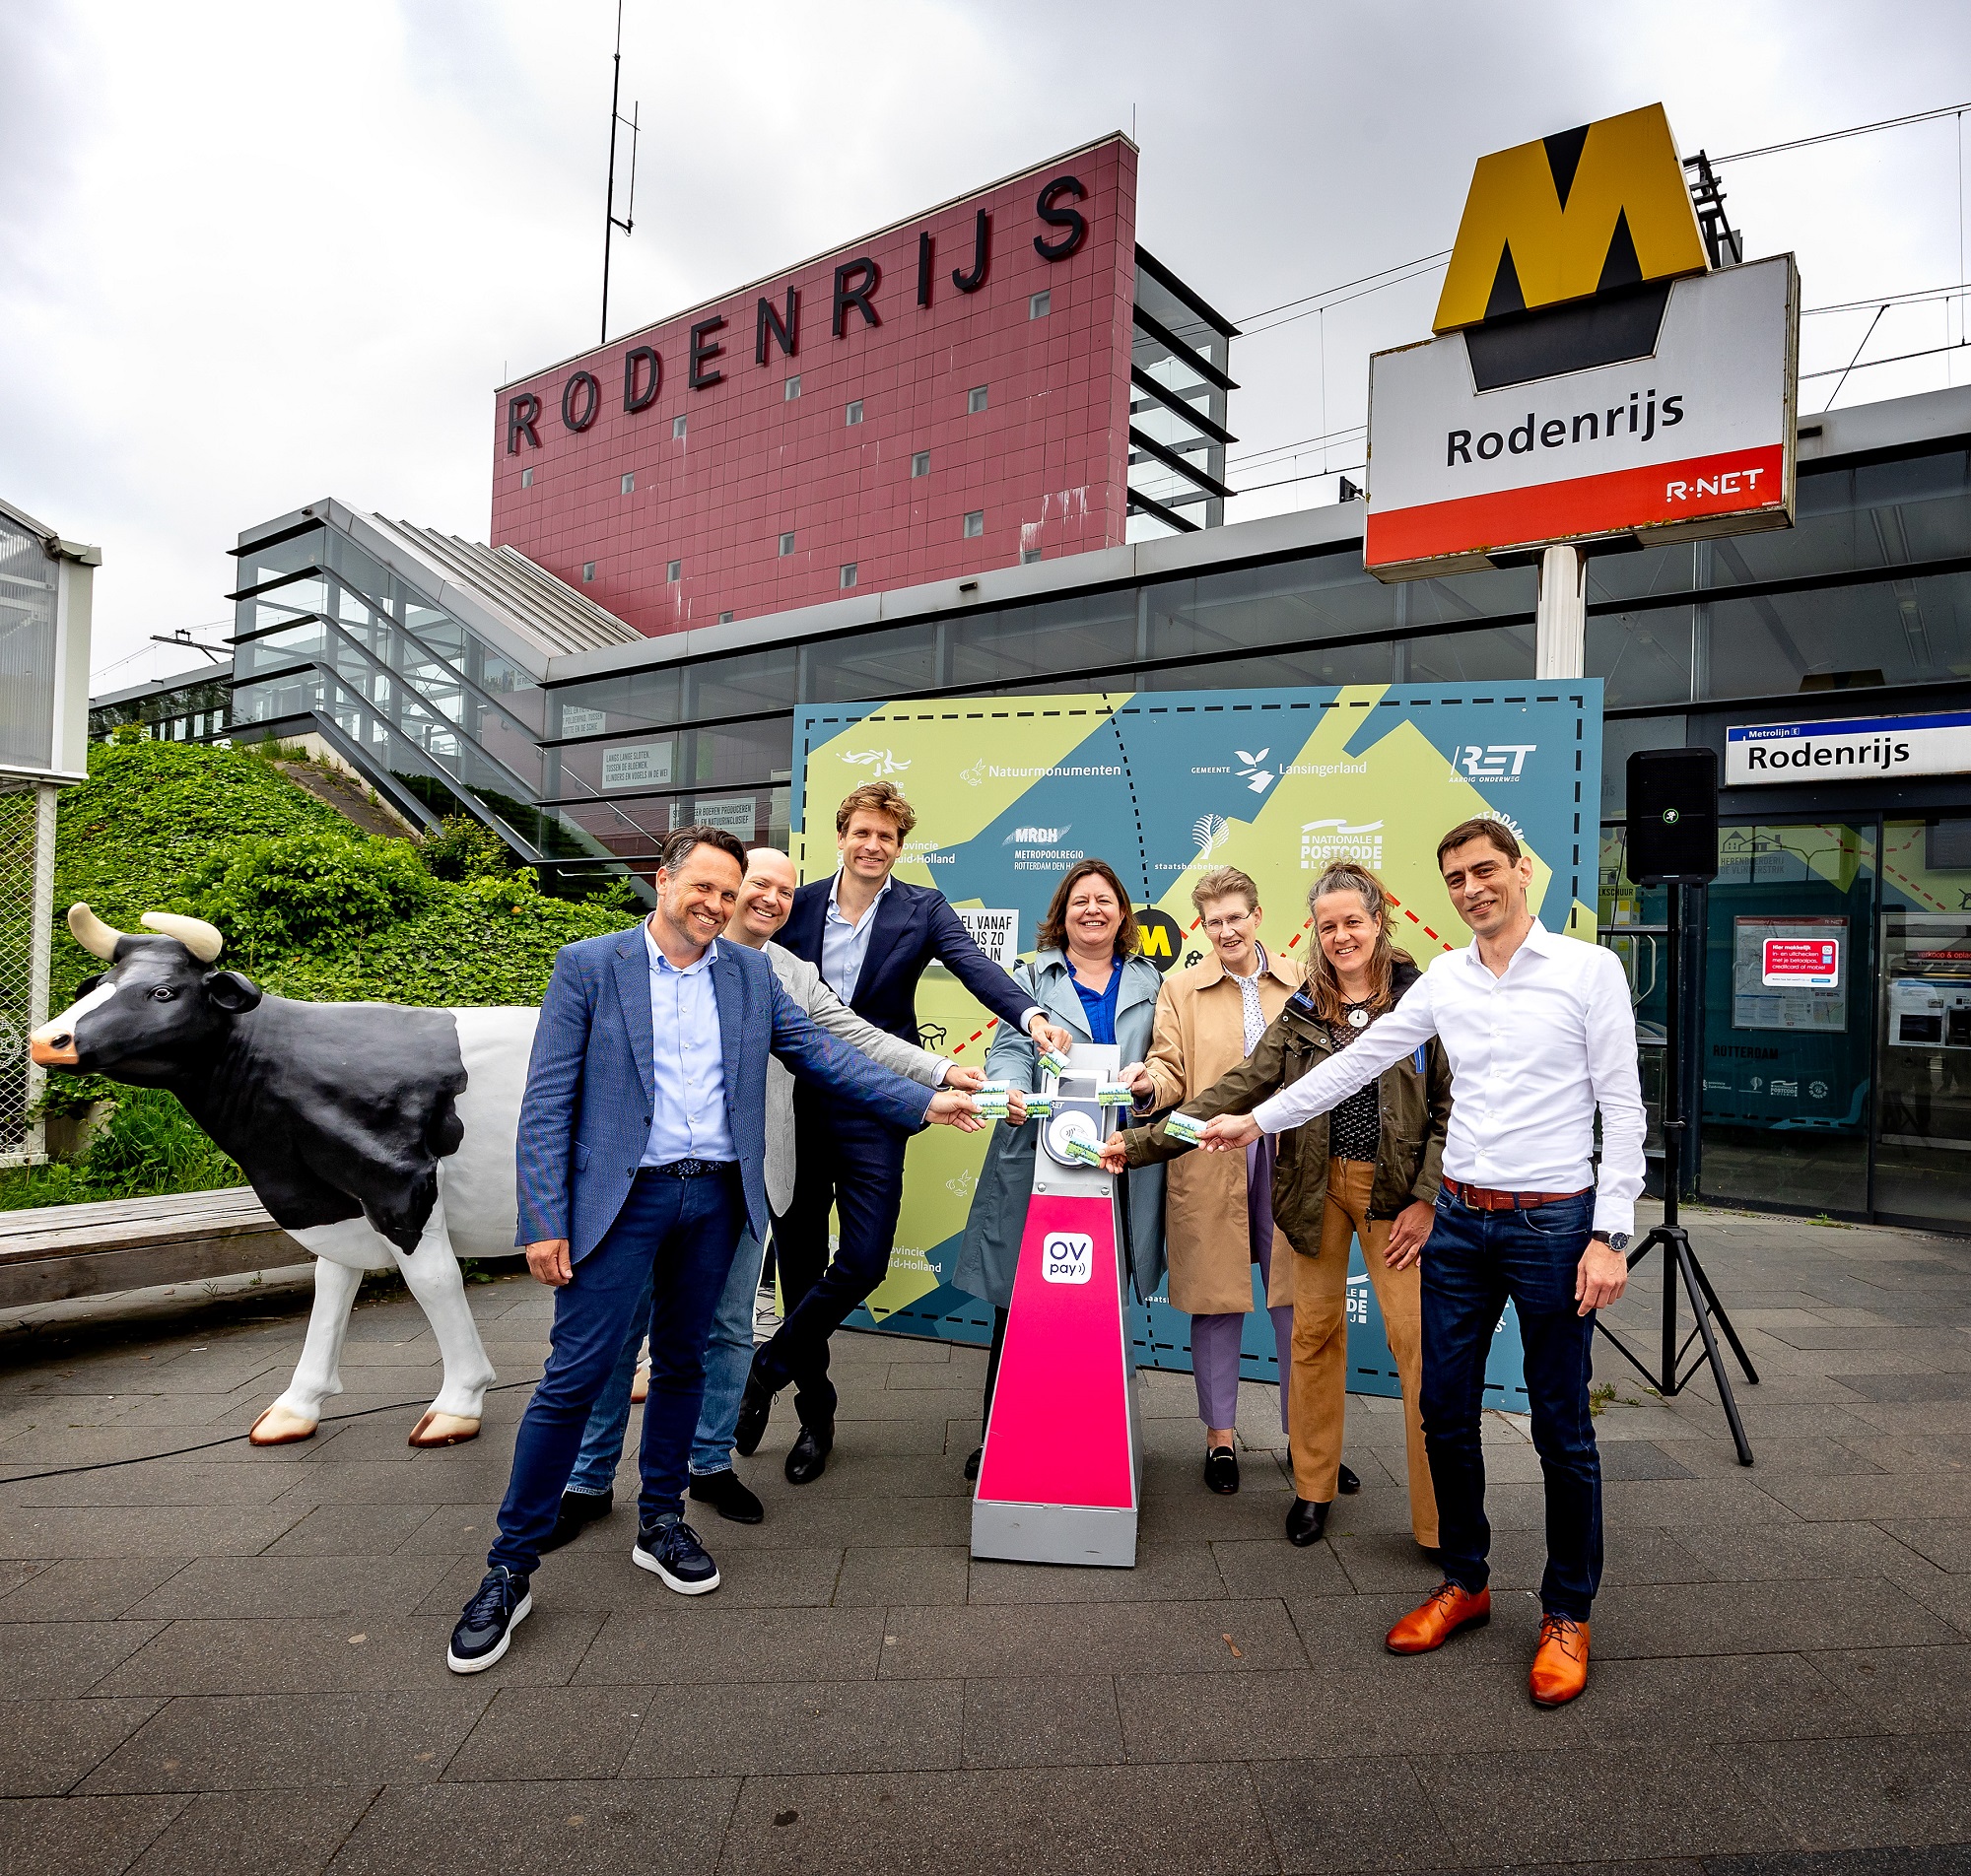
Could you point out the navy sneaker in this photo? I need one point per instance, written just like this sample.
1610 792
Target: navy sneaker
670 1548
501 1602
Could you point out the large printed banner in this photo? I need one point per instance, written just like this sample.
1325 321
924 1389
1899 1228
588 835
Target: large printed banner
1165 785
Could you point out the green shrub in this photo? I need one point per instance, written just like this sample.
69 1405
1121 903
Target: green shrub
462 848
310 909
317 891
148 1145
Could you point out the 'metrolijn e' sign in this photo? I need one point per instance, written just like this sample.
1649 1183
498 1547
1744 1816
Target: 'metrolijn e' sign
1594 378
1846 749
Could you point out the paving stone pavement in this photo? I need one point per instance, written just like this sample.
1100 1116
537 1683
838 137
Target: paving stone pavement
232 1661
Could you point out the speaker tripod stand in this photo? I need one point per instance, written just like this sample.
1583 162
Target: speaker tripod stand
1680 1265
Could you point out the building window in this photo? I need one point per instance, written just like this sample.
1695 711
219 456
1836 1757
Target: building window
792 389
786 544
725 618
588 567
1029 555
975 400
673 571
848 577
853 414
527 478
921 463
975 524
677 429
629 481
1040 305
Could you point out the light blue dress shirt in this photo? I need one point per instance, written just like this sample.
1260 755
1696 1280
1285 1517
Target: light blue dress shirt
688 1116
845 943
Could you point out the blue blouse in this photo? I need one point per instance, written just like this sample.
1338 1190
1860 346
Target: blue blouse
1099 1006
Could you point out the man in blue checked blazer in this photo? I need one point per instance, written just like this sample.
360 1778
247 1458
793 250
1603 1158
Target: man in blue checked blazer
641 1152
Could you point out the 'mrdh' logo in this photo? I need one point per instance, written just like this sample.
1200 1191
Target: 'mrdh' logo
1575 213
1068 1258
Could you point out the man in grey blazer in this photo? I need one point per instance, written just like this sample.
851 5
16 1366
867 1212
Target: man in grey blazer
765 895
642 1150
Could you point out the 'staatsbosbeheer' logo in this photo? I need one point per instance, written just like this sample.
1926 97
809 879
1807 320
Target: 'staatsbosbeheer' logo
1068 1258
878 760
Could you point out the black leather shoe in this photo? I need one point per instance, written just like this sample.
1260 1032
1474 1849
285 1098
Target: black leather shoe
1305 1522
1346 1483
727 1495
973 1464
1221 1469
808 1459
578 1509
756 1403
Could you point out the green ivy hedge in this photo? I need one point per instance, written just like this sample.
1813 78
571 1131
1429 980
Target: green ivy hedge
311 907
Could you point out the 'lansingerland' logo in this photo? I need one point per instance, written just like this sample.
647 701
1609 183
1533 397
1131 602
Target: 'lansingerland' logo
879 760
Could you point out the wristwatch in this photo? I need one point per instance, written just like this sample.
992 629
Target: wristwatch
1615 1241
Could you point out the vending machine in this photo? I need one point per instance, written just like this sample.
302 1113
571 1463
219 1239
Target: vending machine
1061 1477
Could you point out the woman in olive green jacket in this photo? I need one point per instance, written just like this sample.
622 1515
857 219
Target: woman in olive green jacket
1370 1172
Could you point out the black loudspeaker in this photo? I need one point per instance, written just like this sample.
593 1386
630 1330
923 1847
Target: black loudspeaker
1673 816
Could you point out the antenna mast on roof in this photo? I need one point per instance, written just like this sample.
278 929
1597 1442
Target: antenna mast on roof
628 222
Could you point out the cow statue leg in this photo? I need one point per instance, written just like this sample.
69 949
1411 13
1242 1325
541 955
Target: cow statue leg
433 1275
342 1252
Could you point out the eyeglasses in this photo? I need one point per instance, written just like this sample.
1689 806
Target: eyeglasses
1226 921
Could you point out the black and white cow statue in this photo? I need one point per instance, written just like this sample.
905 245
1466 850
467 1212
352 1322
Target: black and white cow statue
379 1137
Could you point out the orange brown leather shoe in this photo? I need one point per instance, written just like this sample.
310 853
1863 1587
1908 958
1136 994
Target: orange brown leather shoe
1560 1664
1439 1617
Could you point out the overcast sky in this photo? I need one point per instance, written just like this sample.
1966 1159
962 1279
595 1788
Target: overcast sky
257 253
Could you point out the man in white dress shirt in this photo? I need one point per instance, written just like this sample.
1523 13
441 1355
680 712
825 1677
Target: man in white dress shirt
1539 1032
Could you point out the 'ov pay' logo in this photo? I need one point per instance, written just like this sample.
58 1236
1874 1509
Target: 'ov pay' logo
1068 1258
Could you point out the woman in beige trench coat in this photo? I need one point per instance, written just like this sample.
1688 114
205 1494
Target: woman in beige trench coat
1218 1218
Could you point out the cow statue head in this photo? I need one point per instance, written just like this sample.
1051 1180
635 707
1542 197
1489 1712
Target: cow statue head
156 1012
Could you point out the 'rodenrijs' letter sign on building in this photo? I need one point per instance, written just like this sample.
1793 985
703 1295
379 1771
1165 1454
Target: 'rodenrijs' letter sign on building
1594 378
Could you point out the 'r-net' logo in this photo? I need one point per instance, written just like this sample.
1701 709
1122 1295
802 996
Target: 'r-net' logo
1068 1258
1492 762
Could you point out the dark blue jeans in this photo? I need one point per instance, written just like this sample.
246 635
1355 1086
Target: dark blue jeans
678 1235
852 1164
1473 1262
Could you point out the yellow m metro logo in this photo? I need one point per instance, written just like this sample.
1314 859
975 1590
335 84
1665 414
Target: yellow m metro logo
1569 216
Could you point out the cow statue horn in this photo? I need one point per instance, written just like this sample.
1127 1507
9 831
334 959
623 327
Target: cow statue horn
203 941
91 933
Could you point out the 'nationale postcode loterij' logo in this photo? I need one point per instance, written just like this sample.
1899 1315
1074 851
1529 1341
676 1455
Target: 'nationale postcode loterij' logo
1068 1258
1565 217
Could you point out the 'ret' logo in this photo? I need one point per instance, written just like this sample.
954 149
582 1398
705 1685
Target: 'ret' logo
1572 215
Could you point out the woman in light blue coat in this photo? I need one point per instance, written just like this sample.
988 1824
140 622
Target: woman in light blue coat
1087 974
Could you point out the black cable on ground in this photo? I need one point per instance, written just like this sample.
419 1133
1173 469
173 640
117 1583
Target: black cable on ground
232 1438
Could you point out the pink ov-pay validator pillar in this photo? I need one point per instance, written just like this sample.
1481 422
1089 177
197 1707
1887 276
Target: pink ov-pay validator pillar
1061 1477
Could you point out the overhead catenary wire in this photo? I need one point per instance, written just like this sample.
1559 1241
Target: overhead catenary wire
1852 131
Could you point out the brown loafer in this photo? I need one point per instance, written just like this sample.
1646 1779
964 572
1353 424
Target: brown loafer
1560 1663
1447 1609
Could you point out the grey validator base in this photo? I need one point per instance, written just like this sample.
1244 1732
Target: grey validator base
377 1137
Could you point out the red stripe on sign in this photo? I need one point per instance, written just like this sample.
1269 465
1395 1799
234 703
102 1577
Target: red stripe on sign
1742 481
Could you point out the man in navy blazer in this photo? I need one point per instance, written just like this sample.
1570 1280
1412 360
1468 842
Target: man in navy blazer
643 1150
873 937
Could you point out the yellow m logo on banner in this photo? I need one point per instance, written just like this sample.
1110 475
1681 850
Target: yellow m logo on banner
1572 215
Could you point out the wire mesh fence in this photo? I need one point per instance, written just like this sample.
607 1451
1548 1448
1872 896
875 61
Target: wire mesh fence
27 841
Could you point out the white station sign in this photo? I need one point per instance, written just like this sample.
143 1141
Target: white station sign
1695 438
1847 749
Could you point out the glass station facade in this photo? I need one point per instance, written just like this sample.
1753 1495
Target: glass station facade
1856 1102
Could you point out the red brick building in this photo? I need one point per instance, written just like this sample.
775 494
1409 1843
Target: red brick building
948 394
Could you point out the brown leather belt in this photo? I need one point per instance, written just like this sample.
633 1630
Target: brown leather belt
1481 1199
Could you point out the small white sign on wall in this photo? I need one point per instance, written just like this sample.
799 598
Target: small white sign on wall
637 764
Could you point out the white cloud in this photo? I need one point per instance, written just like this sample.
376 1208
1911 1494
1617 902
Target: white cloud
256 255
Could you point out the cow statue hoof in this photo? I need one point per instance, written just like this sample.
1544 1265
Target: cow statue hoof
444 1429
281 1426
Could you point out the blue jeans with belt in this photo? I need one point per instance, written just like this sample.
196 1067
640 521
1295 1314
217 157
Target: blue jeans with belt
728 1355
1473 1262
672 1242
